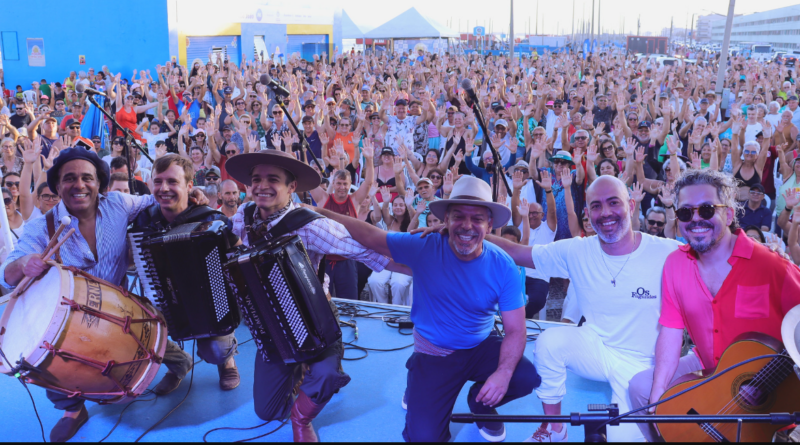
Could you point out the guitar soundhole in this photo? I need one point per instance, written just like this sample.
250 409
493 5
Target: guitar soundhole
748 394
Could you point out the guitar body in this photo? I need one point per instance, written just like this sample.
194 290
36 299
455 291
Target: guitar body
717 397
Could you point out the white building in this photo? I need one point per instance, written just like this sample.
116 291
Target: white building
702 28
778 27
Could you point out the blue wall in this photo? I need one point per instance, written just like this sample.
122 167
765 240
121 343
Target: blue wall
122 35
274 35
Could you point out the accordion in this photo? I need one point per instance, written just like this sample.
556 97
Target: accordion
282 299
181 271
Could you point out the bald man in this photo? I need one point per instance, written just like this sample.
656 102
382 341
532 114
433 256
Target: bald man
228 198
617 279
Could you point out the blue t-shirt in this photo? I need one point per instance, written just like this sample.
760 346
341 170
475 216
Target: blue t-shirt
455 301
194 110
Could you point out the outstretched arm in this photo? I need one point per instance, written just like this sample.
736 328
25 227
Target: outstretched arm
365 234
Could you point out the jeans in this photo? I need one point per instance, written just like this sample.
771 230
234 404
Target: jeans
537 295
434 384
344 278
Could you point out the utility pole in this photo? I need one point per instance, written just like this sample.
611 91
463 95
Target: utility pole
537 17
573 21
686 30
670 30
511 34
692 37
639 25
723 61
599 26
591 39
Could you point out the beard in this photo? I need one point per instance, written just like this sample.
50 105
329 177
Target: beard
622 230
702 246
462 250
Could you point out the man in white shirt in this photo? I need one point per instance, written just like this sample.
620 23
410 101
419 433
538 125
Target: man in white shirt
550 122
617 279
541 232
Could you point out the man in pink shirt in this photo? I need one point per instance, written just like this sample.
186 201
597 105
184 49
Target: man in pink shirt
719 286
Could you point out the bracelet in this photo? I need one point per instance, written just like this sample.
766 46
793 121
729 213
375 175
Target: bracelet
549 191
788 209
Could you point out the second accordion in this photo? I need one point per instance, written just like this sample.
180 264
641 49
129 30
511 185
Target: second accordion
282 299
181 271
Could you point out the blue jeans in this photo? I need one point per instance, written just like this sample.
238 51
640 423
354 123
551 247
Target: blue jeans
434 384
344 278
537 295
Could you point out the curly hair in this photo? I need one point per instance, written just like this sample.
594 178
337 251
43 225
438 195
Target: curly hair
724 183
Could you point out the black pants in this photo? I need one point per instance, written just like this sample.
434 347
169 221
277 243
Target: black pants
344 278
537 295
434 384
274 382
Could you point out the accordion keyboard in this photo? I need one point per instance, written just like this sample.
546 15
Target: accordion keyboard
287 304
142 270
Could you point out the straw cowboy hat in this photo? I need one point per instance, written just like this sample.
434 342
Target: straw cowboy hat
469 190
790 332
241 167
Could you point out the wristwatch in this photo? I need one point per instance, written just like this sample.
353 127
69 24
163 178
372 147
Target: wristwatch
788 209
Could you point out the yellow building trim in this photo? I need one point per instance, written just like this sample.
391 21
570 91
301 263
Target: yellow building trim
189 30
313 29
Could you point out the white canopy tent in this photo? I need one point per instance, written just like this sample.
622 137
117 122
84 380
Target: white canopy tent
411 25
349 28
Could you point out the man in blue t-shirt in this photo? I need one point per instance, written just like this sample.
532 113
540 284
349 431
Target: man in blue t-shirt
460 282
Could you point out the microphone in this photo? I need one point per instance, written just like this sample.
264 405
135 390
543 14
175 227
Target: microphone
466 85
277 88
81 88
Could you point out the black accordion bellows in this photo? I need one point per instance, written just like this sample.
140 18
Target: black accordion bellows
181 270
282 299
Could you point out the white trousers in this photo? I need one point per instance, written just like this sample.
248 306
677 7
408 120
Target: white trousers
381 282
581 351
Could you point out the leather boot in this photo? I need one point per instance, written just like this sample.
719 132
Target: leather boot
303 412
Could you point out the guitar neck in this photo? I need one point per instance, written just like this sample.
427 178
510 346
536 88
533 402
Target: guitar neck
774 373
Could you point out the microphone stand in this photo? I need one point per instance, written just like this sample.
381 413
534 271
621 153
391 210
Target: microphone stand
303 141
594 423
498 167
128 137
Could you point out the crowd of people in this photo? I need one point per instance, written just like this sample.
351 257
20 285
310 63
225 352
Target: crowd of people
568 136
585 118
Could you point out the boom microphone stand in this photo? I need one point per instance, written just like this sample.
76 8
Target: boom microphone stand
128 138
466 84
594 423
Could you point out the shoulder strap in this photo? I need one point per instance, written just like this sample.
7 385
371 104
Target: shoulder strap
196 213
50 217
293 220
249 214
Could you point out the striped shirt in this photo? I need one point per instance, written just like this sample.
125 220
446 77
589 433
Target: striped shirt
321 237
115 211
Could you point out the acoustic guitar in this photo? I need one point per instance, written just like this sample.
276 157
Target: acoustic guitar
760 387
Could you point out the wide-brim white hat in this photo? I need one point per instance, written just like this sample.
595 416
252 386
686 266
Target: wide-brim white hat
469 190
790 333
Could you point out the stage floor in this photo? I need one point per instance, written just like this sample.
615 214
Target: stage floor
367 410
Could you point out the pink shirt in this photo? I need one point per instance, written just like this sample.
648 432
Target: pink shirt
759 290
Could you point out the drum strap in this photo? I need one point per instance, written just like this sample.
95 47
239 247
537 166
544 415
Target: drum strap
51 230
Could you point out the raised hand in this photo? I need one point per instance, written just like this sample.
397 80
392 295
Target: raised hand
517 180
591 153
409 198
447 183
666 197
398 164
276 141
253 143
637 192
566 179
368 149
546 182
792 197
697 163
385 194
524 208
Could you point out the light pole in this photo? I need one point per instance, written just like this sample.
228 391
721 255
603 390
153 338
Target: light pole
511 34
723 59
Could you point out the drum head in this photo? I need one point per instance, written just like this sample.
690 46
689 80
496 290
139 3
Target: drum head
37 316
790 331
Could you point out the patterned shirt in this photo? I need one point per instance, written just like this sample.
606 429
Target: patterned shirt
320 237
403 128
115 211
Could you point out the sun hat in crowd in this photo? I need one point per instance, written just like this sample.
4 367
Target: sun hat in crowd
562 155
471 191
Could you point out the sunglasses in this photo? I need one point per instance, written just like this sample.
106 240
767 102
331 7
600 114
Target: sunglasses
230 152
12 184
581 138
706 211
435 177
6 201
212 178
750 152
655 223
277 113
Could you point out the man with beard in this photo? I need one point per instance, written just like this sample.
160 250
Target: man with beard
459 283
654 221
719 286
229 195
617 279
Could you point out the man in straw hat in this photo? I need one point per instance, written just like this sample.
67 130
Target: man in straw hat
273 176
459 283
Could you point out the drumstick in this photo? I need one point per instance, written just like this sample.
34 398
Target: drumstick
23 284
64 223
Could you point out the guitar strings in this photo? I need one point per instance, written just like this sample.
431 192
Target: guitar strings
768 374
